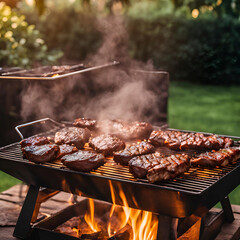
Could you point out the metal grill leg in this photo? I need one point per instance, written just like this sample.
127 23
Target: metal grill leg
167 228
23 227
227 208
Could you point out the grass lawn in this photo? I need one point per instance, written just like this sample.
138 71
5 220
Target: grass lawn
195 107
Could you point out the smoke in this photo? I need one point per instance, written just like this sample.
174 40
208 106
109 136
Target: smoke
112 93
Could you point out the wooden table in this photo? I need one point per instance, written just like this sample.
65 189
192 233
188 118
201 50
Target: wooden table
11 202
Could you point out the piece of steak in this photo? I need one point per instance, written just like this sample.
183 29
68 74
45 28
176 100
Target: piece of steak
66 149
125 130
140 165
83 160
85 123
34 141
42 153
106 144
137 149
221 157
168 168
183 140
72 135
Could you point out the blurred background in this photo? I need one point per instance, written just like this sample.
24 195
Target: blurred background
197 42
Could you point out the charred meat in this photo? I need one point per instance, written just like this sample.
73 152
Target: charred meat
124 156
83 160
106 144
126 130
34 141
42 153
85 123
183 140
65 150
72 135
168 168
140 165
221 157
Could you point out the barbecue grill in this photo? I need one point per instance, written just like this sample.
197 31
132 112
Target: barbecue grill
193 193
46 72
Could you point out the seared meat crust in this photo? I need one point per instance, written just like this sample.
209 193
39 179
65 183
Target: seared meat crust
140 165
156 167
72 135
125 130
83 160
183 140
85 123
65 150
169 167
34 141
221 157
43 153
106 144
124 156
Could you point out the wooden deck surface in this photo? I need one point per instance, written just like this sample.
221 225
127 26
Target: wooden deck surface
11 202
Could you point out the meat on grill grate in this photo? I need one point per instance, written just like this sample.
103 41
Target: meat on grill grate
140 165
43 153
85 123
72 135
34 141
125 130
169 167
83 160
156 167
106 144
124 156
65 150
182 140
221 157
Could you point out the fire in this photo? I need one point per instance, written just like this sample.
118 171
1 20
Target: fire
89 217
55 75
144 224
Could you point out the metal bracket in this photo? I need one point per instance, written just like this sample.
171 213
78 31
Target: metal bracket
30 210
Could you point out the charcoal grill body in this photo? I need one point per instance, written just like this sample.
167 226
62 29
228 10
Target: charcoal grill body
191 194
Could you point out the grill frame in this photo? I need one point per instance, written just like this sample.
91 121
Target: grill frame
164 198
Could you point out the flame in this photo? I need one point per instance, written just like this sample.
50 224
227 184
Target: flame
71 200
89 217
55 75
144 224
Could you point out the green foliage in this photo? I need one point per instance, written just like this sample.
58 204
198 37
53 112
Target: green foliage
221 8
20 43
198 50
70 30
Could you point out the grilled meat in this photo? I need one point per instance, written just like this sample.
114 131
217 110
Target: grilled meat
65 150
182 140
106 144
124 156
34 141
85 123
140 165
83 160
168 168
221 157
156 167
43 153
125 130
72 135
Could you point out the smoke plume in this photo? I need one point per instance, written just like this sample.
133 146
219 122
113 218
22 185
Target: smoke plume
118 92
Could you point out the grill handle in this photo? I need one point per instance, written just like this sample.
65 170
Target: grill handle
34 122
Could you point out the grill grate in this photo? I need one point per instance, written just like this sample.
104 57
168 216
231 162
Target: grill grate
196 180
